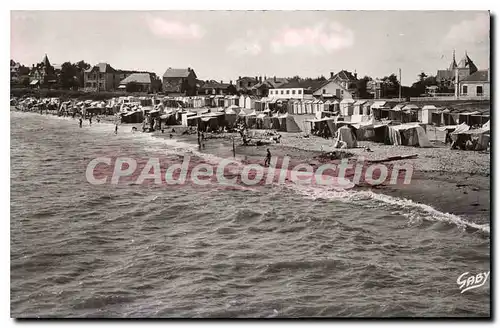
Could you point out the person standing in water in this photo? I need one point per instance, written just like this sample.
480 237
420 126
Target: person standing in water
116 128
268 158
80 121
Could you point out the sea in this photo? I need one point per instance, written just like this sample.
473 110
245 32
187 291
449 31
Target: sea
80 250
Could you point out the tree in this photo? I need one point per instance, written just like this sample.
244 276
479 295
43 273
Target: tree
419 87
422 76
67 76
361 86
25 81
81 67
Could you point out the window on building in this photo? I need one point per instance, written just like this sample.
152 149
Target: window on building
299 92
287 92
281 91
293 92
271 92
464 90
479 90
324 91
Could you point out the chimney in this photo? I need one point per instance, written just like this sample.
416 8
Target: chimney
256 78
331 75
260 78
275 79
220 81
239 77
189 69
355 75
231 82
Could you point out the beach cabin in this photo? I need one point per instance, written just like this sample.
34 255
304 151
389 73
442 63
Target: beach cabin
366 108
308 106
335 106
409 113
347 107
241 101
295 108
427 113
328 106
358 107
250 102
395 113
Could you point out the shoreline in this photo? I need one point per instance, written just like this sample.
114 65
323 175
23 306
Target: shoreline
438 180
464 192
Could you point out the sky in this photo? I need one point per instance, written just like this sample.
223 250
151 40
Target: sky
223 45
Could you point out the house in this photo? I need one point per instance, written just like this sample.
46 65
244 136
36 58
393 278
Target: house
43 74
179 81
101 77
137 82
296 89
331 89
14 71
262 89
215 88
431 90
446 78
476 84
246 83
347 80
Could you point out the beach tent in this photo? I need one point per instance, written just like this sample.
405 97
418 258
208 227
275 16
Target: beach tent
266 122
288 124
486 126
345 138
408 135
185 116
132 117
474 139
275 123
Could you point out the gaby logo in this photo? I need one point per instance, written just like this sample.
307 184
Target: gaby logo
467 282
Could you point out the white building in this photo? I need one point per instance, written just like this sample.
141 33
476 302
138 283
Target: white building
304 90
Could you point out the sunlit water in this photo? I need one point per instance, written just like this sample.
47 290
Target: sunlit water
80 250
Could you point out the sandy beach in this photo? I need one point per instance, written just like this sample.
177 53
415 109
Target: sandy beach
451 181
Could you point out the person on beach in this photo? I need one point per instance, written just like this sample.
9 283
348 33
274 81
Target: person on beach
80 122
116 128
90 120
268 158
98 119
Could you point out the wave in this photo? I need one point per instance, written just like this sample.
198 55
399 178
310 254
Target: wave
423 211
